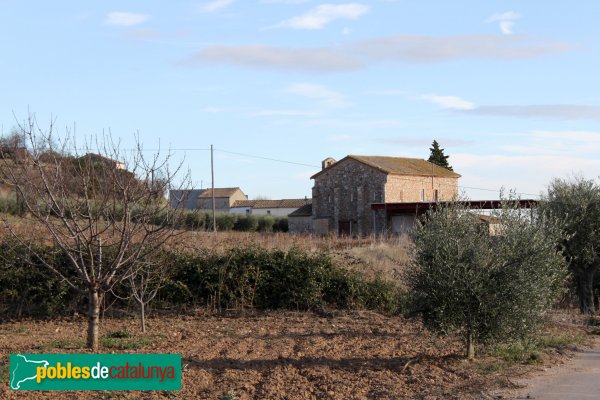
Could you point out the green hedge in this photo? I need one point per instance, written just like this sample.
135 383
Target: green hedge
239 278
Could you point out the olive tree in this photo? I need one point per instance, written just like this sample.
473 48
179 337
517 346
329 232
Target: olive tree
104 210
485 286
575 205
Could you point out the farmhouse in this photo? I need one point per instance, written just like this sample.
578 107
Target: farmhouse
345 192
108 162
224 198
279 208
233 200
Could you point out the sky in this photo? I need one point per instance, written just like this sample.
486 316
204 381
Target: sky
509 89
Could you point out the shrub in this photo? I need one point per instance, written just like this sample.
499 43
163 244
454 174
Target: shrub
488 287
281 224
265 223
246 223
225 221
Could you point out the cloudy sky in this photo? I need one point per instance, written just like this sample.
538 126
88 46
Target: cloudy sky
509 88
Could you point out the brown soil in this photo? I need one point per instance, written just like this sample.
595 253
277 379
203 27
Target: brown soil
278 355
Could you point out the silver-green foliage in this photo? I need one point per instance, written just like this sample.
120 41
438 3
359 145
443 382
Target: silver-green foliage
575 205
486 286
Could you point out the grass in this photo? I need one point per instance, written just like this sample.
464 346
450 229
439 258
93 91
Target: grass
66 344
118 341
531 352
231 395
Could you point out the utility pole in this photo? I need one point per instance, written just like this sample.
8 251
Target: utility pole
212 174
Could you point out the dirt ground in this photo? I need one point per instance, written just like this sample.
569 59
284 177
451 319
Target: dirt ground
278 355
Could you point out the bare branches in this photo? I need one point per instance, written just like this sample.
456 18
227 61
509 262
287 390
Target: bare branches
106 210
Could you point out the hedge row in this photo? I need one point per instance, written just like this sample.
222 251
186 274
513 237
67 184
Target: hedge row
239 278
186 219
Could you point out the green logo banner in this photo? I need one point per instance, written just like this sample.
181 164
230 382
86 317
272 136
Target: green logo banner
95 371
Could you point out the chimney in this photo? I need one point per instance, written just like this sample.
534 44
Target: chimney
328 162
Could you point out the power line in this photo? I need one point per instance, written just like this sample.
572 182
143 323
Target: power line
266 158
313 166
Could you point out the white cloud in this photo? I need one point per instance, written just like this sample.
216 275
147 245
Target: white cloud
125 18
551 111
436 49
449 102
320 16
567 143
324 96
298 59
528 174
507 27
215 5
505 20
399 48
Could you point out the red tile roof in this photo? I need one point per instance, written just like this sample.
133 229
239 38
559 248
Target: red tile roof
219 192
399 166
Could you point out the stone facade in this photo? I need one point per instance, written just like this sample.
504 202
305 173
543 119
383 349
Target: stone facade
344 191
224 199
343 194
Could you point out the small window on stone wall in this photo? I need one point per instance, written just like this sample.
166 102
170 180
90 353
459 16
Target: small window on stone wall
422 194
435 195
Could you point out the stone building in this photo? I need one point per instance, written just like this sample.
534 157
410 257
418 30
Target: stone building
276 208
224 198
345 192
300 221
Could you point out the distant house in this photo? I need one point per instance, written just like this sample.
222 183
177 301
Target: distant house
345 192
109 162
300 221
279 208
224 198
187 199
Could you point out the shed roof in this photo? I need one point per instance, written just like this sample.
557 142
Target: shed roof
304 211
398 166
219 192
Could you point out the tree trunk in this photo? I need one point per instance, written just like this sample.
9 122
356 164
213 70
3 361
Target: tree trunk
470 346
93 319
143 316
585 290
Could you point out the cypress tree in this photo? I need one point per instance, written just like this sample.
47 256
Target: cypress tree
438 157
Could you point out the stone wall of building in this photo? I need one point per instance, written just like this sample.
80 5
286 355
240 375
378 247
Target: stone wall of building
302 224
404 188
344 193
221 203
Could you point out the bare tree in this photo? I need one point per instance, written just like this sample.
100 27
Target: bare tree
101 206
144 283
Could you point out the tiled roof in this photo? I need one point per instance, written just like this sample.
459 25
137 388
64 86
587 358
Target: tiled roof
285 203
219 192
304 211
399 166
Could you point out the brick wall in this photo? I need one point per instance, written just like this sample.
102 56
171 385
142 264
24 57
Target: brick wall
412 188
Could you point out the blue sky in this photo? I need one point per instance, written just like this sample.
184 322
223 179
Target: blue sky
508 88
